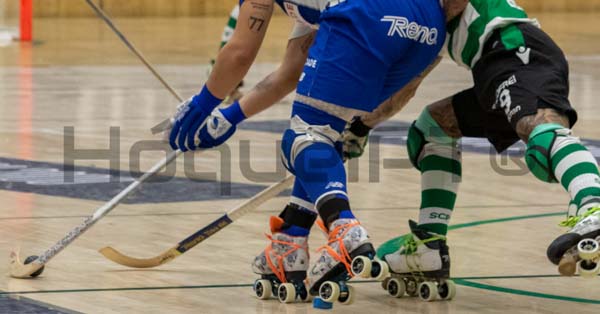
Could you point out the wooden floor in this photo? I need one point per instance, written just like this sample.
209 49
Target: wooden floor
77 74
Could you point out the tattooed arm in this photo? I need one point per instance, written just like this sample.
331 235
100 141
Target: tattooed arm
235 59
398 101
282 81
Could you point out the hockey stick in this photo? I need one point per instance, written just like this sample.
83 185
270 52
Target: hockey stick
201 234
19 269
101 14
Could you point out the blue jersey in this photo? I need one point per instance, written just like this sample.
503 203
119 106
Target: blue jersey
366 50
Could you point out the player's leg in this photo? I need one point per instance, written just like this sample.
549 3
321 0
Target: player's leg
421 257
309 151
533 94
334 82
286 258
555 155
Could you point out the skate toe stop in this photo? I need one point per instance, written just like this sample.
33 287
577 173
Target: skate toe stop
318 303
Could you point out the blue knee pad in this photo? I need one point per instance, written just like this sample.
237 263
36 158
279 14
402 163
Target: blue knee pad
309 152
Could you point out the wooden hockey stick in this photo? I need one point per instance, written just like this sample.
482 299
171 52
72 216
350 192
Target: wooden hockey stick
201 234
19 269
102 15
162 126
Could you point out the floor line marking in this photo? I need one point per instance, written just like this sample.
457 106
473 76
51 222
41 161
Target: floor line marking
478 285
277 211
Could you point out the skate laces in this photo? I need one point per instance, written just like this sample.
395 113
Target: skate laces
411 244
573 220
279 270
343 256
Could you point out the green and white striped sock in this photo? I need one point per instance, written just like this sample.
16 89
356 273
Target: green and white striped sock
441 170
230 27
577 170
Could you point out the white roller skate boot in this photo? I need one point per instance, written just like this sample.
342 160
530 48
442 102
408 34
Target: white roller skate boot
282 266
328 276
419 263
579 248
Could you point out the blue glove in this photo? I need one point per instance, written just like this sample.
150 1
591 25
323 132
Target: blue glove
220 125
190 115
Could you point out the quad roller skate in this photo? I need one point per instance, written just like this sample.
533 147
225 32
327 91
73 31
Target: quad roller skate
578 250
416 264
328 277
282 266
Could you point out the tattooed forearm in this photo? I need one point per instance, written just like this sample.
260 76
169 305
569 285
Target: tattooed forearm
256 23
526 125
261 6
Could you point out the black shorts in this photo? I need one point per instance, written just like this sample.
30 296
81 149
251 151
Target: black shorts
512 84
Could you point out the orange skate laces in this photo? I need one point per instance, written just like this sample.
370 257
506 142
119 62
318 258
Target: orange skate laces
279 270
343 256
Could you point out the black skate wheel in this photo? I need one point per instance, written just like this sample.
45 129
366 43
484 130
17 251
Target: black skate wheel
427 291
263 289
286 293
588 269
396 287
329 291
380 270
447 290
361 267
588 249
347 297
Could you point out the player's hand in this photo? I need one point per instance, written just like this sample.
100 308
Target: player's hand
189 117
220 126
355 138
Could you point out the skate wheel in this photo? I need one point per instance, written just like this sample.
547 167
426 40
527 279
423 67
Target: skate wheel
286 293
385 282
263 288
588 249
427 291
329 291
347 297
383 270
361 266
588 269
396 287
447 290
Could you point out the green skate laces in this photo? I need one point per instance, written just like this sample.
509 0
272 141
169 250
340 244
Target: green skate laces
573 220
411 244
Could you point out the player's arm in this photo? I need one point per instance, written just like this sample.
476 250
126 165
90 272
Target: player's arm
235 59
356 136
282 81
222 122
399 100
232 64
